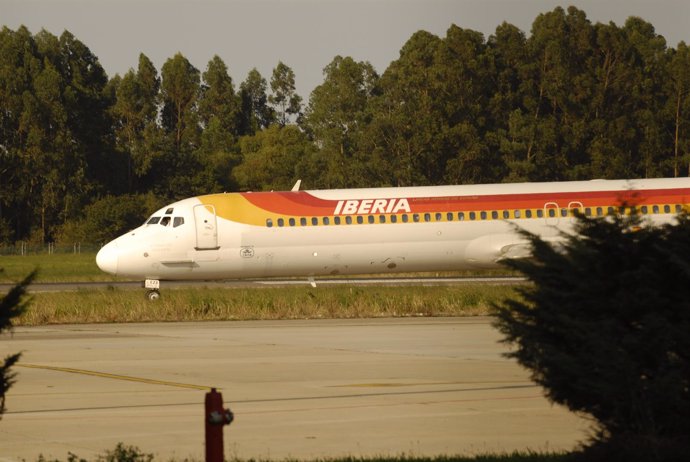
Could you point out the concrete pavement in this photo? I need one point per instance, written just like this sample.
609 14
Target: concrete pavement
299 389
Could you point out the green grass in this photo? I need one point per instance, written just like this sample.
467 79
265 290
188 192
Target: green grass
57 267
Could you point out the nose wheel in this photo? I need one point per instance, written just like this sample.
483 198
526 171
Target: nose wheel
153 287
153 295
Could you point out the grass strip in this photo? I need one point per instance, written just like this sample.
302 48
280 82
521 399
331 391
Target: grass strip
57 267
221 304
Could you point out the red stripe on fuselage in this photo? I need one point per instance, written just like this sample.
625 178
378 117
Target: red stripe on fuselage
302 203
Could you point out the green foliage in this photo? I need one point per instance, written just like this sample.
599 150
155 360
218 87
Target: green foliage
12 305
256 114
604 328
335 117
572 100
108 218
284 98
274 159
123 453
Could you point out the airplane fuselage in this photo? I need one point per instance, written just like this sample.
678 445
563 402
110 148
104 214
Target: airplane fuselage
365 231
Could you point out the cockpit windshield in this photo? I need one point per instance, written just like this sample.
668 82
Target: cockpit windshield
166 221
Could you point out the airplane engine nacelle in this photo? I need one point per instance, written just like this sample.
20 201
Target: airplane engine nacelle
489 250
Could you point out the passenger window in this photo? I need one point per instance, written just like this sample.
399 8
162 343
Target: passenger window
473 215
153 221
439 216
482 214
291 221
427 217
667 209
165 221
360 219
461 216
178 221
394 218
303 221
370 219
326 221
564 213
588 212
678 208
655 209
540 213
449 216
517 214
336 220
552 213
269 223
611 211
528 213
506 214
415 218
600 211
494 215
382 218
314 221
348 220
281 222
405 218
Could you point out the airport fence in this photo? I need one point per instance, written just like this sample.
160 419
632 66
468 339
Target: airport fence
29 248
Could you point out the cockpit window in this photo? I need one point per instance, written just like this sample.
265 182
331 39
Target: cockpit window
153 220
165 221
178 221
169 211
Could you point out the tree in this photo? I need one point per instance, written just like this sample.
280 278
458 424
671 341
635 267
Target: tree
603 326
336 117
678 89
274 159
179 92
135 115
218 99
256 114
286 102
13 304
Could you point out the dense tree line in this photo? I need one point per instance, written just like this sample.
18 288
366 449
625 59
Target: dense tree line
573 100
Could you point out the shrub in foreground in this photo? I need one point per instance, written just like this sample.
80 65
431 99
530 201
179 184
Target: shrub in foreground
605 329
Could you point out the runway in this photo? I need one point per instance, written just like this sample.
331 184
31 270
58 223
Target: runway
299 389
236 283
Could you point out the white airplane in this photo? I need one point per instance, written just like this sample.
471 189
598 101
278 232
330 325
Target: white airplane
365 231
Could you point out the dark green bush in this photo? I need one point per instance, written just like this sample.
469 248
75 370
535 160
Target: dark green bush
605 329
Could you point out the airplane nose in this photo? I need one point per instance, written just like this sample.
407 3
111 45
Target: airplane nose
107 257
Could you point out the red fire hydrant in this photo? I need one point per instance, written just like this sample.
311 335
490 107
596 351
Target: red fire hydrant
215 417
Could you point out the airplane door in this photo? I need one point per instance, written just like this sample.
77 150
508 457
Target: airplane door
206 227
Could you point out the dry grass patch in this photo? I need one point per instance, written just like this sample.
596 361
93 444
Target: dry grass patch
201 304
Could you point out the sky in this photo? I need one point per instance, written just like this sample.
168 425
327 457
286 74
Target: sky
304 34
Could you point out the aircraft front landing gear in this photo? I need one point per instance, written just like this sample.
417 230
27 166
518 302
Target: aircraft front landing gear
153 286
153 295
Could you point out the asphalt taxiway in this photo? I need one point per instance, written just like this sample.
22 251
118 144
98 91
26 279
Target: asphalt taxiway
273 282
299 389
